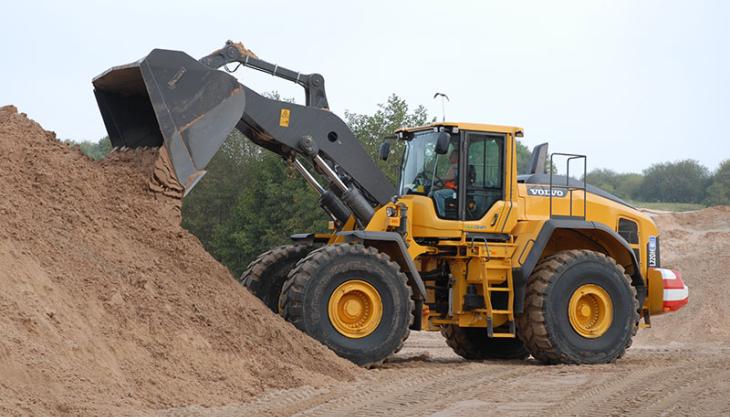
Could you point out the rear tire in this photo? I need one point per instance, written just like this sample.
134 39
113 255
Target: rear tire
472 343
265 275
580 308
353 299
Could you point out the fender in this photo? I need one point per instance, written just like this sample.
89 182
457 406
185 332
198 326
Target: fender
395 241
310 237
520 275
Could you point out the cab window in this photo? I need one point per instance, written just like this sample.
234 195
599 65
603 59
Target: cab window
484 174
427 173
445 190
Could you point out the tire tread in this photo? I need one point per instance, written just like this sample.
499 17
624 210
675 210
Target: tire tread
260 269
465 343
291 302
531 325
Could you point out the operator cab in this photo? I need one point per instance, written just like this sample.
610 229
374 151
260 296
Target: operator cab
459 166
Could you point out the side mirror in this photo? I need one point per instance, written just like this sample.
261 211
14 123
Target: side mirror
442 143
384 150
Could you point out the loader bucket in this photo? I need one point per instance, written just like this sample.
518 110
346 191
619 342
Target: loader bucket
170 99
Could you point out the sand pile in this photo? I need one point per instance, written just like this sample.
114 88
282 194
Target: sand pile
697 244
109 307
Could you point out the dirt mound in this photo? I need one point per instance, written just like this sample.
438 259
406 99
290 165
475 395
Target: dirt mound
109 307
696 243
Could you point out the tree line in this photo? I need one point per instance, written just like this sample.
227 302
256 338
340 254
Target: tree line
685 181
250 201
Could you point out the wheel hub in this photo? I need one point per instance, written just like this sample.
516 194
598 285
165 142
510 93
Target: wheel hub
355 309
590 311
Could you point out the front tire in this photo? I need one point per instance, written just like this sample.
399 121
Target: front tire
353 299
580 308
473 343
265 275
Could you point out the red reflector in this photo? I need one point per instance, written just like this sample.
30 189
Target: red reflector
676 293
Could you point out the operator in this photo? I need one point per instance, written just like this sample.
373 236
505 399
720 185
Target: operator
453 172
449 183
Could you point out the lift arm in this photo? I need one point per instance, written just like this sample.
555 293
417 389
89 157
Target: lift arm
313 84
189 106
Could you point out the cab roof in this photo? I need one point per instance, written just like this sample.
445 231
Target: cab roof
478 127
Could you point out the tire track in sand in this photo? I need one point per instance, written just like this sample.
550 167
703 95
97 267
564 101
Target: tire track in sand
690 388
623 393
340 398
588 402
430 396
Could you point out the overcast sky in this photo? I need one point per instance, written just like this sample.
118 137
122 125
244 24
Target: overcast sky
628 82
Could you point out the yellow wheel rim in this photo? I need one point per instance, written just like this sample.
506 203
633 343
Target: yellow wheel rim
355 309
590 311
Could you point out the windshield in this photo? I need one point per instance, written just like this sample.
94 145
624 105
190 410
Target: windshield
427 173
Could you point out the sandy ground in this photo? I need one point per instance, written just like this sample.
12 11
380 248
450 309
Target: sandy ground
427 379
679 367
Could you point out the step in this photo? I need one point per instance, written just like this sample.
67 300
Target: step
491 333
503 335
485 311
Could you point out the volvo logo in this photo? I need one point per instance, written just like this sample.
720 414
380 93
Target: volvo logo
545 192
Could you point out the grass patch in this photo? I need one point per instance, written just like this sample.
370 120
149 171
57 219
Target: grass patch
668 206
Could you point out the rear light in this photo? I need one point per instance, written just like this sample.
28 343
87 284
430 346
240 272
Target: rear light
676 293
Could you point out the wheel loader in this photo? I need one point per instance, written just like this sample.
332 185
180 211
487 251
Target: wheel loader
504 265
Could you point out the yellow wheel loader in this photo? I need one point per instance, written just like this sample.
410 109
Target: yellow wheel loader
504 265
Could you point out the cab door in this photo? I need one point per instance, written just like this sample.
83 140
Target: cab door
486 206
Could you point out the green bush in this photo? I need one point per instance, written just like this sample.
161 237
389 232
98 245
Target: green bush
718 193
675 182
